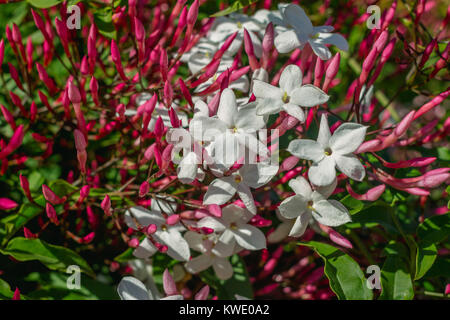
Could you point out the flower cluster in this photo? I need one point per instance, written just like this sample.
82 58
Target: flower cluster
191 143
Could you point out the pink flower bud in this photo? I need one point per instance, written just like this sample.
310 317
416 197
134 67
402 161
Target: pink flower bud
7 204
159 127
143 189
139 30
25 186
371 195
84 191
170 288
248 46
174 118
151 229
2 52
133 243
16 295
193 13
88 238
8 117
163 64
173 219
427 52
433 103
404 124
15 76
51 213
50 196
93 86
28 234
74 93
168 93
185 92
215 210
203 293
14 143
80 142
106 205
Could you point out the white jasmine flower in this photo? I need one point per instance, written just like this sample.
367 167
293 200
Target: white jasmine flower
200 55
178 248
248 176
213 253
282 230
330 151
132 289
226 26
307 203
290 96
233 228
301 31
232 131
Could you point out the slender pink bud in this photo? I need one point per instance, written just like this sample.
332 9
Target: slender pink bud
2 52
16 295
185 92
267 45
80 142
193 13
433 103
215 210
332 71
115 56
174 120
203 293
371 195
381 40
427 52
8 117
139 30
248 46
170 288
7 204
15 76
84 191
404 124
93 86
14 143
168 93
28 234
50 196
339 239
159 127
51 213
163 64
88 238
25 186
106 205
143 189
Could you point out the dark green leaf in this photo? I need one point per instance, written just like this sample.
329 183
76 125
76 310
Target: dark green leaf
426 255
54 257
346 277
434 229
44 3
396 281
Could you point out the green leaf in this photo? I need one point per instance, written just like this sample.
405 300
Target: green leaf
53 285
62 188
346 277
396 281
43 4
434 229
54 257
426 255
13 223
373 216
353 205
5 291
238 284
237 5
125 256
103 21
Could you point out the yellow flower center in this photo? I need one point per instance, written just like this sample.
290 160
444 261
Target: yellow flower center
328 152
239 25
286 98
238 179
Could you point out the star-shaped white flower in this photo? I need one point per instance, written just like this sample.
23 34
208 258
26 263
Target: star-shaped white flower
131 288
232 131
290 96
200 55
213 253
300 31
248 176
307 203
226 26
331 151
234 229
169 235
